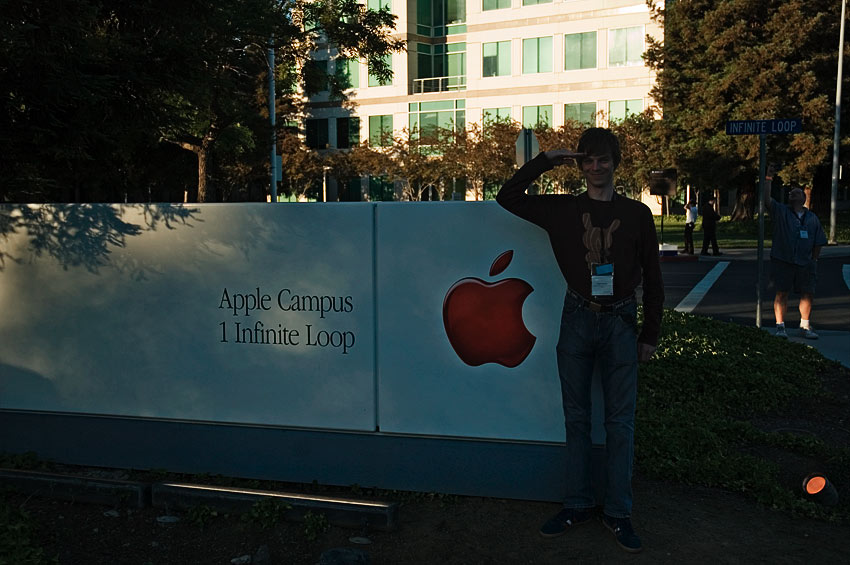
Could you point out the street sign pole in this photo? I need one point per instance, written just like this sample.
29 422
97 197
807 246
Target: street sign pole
762 128
760 254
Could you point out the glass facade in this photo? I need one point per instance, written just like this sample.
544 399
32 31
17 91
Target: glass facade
375 81
348 73
580 51
438 18
426 119
446 62
381 130
537 55
497 114
487 5
496 59
347 132
625 46
532 116
380 189
618 110
317 133
583 113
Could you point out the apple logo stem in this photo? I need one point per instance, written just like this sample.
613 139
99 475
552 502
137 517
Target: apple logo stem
484 320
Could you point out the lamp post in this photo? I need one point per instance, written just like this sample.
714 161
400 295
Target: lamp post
837 137
325 170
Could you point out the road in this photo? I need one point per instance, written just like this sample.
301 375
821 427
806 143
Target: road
724 288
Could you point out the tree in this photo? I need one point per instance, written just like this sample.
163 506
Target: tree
745 59
93 90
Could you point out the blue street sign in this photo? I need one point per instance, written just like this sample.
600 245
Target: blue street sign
756 127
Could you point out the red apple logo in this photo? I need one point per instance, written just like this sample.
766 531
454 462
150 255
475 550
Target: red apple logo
484 320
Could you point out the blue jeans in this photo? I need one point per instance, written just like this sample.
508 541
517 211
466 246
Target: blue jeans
608 339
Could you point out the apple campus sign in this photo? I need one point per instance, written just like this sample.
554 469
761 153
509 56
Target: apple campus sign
484 320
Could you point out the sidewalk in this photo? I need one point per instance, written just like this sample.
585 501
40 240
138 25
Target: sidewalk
832 344
750 253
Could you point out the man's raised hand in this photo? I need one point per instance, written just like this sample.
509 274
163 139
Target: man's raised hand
561 156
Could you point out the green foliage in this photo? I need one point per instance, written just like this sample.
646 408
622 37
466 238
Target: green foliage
744 233
315 524
28 460
267 513
696 401
740 60
201 515
17 538
107 101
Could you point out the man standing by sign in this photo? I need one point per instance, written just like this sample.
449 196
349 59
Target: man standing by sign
605 245
797 240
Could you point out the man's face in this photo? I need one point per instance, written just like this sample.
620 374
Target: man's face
796 197
598 170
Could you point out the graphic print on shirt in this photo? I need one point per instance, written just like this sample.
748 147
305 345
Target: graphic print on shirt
597 241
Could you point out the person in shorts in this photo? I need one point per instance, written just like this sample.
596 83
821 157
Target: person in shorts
797 241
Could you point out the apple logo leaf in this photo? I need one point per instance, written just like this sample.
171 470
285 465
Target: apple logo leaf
501 262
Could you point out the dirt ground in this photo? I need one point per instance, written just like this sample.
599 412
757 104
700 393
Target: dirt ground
678 524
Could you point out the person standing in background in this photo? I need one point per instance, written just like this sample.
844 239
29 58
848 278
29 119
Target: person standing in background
794 251
691 214
709 227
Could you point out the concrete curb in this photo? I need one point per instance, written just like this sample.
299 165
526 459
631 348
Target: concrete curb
339 511
79 489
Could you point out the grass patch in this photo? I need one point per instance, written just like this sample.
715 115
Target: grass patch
696 402
17 538
732 235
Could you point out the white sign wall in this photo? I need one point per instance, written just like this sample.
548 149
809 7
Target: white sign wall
424 385
231 313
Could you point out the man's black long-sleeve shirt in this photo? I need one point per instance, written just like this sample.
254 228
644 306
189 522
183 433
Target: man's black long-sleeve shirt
584 231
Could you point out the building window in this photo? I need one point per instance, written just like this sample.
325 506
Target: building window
535 2
580 51
440 68
380 189
317 133
438 18
349 191
375 81
487 5
497 59
316 76
348 73
619 110
497 114
533 116
381 130
625 46
347 132
583 113
428 119
537 55
378 4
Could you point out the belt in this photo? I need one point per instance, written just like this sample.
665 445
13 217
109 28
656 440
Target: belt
597 306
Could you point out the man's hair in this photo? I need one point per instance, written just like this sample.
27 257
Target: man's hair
599 141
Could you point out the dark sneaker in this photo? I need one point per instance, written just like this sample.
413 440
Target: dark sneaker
623 533
808 333
564 520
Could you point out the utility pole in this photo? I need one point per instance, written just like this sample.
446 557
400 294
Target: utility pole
833 207
273 157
